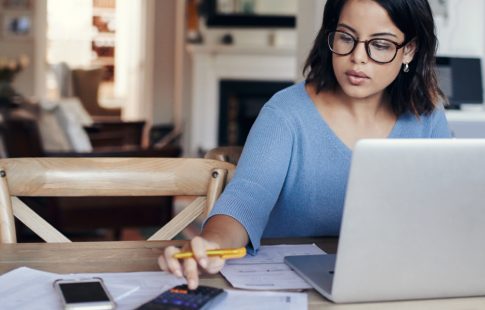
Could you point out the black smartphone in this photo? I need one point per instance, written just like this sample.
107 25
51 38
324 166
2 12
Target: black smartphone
84 294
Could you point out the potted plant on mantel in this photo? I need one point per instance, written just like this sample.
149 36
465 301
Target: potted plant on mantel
9 68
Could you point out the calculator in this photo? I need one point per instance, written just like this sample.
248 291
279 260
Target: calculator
181 298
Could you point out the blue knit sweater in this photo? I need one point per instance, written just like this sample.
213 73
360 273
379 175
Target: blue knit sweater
292 175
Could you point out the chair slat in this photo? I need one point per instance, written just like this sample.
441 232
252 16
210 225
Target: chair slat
7 223
181 220
75 177
36 223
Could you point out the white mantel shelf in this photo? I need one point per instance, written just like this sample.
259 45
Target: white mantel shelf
243 49
211 64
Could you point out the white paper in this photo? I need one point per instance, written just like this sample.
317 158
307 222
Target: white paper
244 300
267 270
26 288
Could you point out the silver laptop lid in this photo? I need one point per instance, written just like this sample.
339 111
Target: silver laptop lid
414 221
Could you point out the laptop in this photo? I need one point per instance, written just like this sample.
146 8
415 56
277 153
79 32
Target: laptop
413 224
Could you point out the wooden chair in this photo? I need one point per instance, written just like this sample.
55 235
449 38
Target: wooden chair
86 83
79 177
228 154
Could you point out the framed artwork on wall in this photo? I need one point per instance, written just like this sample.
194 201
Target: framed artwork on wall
16 4
250 13
16 26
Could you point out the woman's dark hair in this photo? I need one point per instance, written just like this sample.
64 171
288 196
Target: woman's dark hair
416 91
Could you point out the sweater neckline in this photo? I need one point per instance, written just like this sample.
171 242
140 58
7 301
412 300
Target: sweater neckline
335 139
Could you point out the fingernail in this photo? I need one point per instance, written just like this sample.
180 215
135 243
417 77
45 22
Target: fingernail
191 284
203 262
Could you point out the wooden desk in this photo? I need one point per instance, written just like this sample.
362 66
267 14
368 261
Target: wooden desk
130 256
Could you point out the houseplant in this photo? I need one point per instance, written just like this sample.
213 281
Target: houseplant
9 68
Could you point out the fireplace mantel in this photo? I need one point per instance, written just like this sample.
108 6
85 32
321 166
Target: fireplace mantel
211 64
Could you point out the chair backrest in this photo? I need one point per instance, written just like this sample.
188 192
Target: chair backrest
229 154
86 83
78 177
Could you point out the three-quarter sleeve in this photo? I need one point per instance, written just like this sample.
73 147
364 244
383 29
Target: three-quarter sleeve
261 171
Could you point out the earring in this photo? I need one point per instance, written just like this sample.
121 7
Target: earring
406 68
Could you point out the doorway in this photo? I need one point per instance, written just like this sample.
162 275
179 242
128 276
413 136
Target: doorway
108 34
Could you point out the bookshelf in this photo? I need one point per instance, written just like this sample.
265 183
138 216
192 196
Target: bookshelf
104 36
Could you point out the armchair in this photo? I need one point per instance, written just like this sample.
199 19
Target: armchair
83 84
86 84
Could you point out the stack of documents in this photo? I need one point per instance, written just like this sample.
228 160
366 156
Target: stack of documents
267 270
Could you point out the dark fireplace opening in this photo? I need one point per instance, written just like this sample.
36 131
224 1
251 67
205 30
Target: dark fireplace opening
240 103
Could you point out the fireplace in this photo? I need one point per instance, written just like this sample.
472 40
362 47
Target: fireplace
239 104
262 72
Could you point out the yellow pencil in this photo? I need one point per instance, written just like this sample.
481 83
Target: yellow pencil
223 253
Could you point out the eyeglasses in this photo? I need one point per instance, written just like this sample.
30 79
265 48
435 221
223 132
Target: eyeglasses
380 50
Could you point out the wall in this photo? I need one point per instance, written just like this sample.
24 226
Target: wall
282 7
309 20
146 52
251 37
27 81
183 84
163 97
461 32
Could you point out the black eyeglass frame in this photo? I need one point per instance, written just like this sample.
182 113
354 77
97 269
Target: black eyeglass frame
366 44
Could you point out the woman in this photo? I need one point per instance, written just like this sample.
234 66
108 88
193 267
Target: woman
369 75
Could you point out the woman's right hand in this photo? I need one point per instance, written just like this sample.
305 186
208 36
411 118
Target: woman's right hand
191 267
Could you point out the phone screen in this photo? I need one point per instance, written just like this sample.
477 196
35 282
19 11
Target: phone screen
79 292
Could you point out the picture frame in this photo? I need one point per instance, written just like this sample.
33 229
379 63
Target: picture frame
17 4
16 26
215 19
